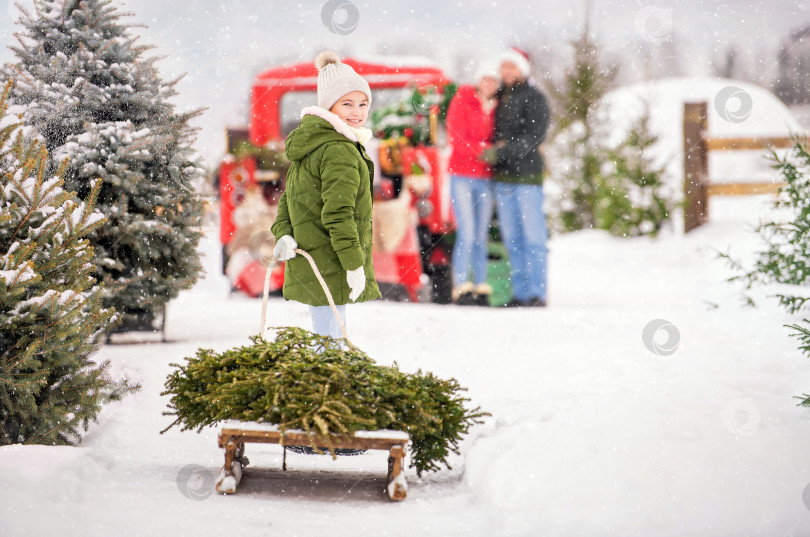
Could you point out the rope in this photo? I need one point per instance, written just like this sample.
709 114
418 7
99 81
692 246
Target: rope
323 285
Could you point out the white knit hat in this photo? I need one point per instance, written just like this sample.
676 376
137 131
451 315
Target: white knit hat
519 58
489 69
336 79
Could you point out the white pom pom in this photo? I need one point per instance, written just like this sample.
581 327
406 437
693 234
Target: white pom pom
325 58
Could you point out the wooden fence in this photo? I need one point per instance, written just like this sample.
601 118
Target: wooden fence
696 147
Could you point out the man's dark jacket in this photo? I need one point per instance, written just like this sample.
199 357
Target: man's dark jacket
521 119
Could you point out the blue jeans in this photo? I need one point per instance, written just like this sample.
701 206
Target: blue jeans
524 233
325 323
472 205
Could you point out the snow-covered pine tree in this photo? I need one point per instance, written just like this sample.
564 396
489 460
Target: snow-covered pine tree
51 316
98 100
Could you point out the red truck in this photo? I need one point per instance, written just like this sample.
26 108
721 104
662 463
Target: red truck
412 208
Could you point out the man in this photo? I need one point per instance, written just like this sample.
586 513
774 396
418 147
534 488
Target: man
521 122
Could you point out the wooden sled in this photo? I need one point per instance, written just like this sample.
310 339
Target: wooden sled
235 435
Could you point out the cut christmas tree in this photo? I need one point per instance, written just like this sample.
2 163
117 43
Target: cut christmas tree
98 101
304 381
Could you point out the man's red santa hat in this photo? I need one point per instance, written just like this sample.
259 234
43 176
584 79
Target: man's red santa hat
520 58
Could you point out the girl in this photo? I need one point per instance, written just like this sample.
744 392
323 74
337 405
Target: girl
326 208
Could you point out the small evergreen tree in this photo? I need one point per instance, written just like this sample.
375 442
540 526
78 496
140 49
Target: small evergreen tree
785 257
612 187
97 100
630 186
51 316
575 154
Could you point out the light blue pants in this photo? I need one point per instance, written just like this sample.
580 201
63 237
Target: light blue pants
524 233
472 205
324 321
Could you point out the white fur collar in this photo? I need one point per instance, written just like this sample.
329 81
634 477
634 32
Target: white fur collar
332 118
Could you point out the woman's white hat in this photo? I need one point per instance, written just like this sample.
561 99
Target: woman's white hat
489 69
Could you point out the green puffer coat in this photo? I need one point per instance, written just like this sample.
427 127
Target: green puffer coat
327 209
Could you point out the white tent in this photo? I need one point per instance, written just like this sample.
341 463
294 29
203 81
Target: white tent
735 109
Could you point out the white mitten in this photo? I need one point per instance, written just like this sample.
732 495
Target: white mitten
357 282
285 248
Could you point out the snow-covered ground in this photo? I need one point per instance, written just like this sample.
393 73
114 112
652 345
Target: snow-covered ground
592 433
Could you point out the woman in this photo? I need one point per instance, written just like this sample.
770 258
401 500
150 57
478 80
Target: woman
326 208
470 125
